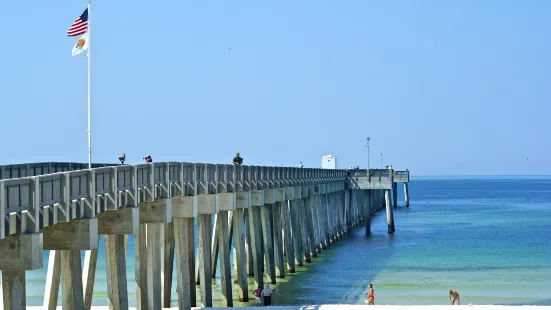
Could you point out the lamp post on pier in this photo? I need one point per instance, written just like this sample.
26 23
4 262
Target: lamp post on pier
367 146
381 160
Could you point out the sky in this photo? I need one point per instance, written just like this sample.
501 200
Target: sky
441 87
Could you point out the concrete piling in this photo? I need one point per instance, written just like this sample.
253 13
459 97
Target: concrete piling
14 291
267 234
305 246
167 242
310 226
278 239
140 262
72 293
182 228
406 194
225 268
297 237
248 246
240 253
256 234
115 265
287 236
389 213
204 258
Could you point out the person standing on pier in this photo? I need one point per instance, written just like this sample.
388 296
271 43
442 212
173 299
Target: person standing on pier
122 158
454 295
237 160
148 159
300 165
267 294
370 295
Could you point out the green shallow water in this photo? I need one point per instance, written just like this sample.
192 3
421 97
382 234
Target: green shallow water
489 239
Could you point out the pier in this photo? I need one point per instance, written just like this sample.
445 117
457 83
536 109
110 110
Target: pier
270 219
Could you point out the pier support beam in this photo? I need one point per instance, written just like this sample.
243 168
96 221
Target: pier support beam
389 213
256 234
243 203
183 229
297 237
140 263
115 224
184 211
326 225
167 266
248 244
240 254
257 201
53 278
287 238
278 240
69 238
406 194
154 283
115 266
302 205
347 210
207 205
315 221
268 237
72 294
216 230
17 254
225 267
334 217
321 221
311 204
204 258
256 246
13 289
89 275
153 216
227 204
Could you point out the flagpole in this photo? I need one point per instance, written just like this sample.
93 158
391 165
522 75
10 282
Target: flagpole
89 98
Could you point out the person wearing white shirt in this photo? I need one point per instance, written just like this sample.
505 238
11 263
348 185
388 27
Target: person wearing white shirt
267 294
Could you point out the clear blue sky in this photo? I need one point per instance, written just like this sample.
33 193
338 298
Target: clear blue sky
441 87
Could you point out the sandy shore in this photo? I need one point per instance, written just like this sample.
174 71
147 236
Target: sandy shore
355 307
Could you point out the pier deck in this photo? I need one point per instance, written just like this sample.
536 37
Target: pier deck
278 215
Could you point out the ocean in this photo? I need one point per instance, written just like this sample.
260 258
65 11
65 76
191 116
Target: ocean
487 238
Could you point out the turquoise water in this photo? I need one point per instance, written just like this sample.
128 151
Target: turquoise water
489 239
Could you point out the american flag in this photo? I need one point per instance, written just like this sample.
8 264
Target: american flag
79 26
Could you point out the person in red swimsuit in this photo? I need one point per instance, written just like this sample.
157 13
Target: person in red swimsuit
370 295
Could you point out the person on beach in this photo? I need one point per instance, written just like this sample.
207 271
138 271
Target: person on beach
258 296
370 295
454 295
267 294
237 160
